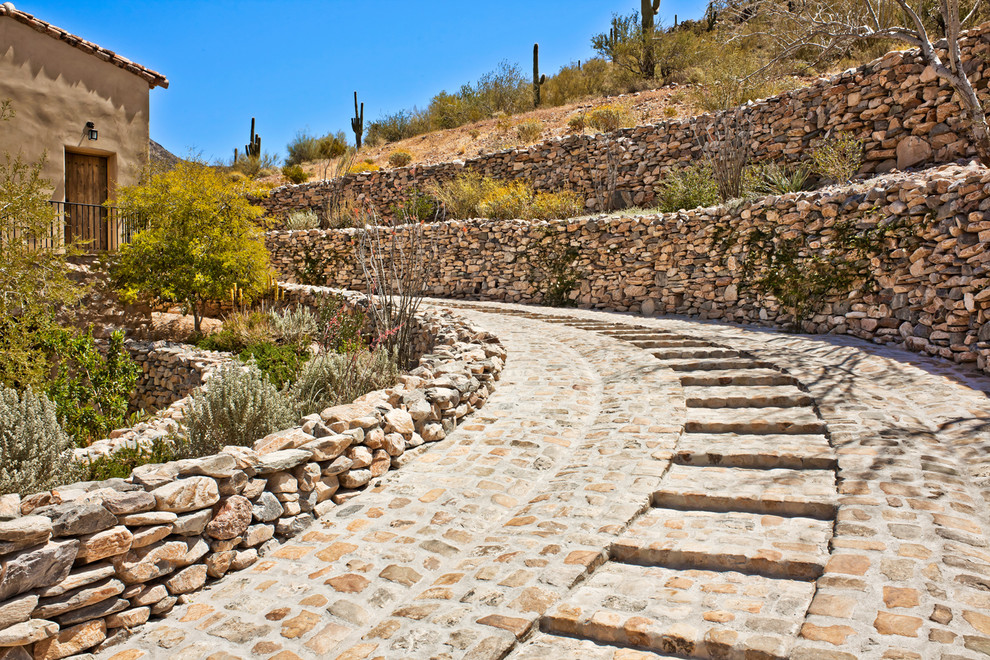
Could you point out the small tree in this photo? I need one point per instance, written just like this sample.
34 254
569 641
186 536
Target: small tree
200 239
829 27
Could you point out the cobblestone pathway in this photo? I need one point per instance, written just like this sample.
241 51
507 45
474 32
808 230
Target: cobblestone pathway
641 488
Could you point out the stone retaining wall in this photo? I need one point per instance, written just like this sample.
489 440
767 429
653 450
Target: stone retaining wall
905 115
934 298
171 371
82 564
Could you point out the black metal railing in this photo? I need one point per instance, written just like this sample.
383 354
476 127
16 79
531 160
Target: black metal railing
92 227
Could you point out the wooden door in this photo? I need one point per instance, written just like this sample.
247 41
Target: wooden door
85 191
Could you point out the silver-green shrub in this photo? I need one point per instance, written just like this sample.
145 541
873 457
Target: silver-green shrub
302 220
330 379
295 325
237 406
35 453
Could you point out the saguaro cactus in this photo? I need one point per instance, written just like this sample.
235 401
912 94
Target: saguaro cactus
538 80
253 148
650 8
357 122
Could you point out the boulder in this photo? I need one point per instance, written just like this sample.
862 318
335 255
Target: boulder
187 494
230 518
40 566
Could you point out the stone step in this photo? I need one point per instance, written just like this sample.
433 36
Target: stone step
799 421
672 342
748 396
695 353
808 452
640 334
772 546
694 613
553 647
723 364
776 491
729 377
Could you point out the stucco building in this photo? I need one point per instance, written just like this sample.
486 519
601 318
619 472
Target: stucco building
82 106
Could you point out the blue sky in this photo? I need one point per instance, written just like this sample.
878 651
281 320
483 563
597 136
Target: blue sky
295 65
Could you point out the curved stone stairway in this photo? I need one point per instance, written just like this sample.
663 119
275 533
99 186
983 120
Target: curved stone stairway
641 488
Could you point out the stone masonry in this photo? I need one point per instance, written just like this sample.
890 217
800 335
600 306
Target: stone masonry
905 115
934 298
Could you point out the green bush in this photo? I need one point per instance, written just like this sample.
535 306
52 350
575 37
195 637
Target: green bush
577 123
294 173
838 158
472 196
91 390
279 363
302 220
399 158
417 208
688 188
334 378
237 406
254 166
35 453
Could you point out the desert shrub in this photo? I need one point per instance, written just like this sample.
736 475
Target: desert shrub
339 326
279 363
201 240
688 188
302 220
254 166
838 158
609 117
91 389
237 406
306 148
670 112
555 205
399 158
294 173
366 165
529 131
506 201
240 329
577 123
471 195
775 179
418 207
35 453
294 325
333 378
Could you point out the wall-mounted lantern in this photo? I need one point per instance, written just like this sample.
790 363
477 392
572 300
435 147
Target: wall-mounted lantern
91 131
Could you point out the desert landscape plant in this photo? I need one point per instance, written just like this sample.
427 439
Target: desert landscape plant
333 378
35 452
399 158
237 406
471 195
201 240
837 158
687 188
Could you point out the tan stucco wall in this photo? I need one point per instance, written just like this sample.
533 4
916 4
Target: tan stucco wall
55 89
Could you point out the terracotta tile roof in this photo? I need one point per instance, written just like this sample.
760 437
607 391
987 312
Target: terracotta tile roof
153 78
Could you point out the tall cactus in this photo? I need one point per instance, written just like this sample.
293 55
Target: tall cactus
357 122
253 148
538 80
650 8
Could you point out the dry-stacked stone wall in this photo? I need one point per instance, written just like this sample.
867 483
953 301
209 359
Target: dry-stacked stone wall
934 297
171 371
82 564
905 115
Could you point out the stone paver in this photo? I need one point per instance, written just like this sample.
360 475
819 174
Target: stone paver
588 512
